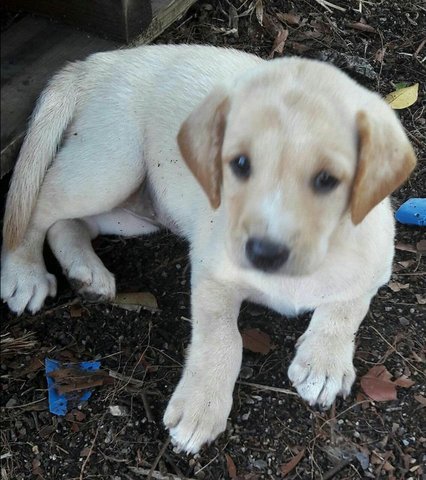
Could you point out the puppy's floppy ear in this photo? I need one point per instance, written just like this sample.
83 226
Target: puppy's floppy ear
200 141
385 160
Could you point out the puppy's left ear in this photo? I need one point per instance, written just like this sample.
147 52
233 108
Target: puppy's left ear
385 160
200 141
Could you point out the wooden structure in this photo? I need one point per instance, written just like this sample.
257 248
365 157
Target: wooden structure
35 47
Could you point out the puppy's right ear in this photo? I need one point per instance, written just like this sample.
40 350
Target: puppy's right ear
200 141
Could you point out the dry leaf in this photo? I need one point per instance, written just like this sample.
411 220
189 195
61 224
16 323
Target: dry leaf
407 263
136 301
404 97
380 55
363 27
286 468
256 341
233 19
421 299
421 246
396 286
75 416
232 469
388 467
377 385
34 365
417 358
404 382
405 247
36 468
289 18
279 43
259 11
76 311
298 47
421 399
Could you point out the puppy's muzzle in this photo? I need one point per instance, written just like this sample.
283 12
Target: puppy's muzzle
266 255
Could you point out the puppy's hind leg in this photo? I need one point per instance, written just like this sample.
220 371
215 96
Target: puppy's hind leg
72 189
70 241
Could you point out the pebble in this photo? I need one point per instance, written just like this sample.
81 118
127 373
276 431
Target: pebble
246 372
118 411
11 402
260 464
404 321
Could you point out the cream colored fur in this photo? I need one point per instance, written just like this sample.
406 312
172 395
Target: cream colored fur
101 157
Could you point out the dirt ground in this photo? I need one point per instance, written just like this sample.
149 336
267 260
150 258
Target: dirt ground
381 46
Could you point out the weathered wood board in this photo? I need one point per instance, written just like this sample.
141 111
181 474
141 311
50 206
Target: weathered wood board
120 20
164 13
34 48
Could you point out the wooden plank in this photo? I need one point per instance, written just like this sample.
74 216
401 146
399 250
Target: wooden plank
120 20
164 13
32 50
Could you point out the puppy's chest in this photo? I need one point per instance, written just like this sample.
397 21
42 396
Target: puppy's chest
294 295
287 297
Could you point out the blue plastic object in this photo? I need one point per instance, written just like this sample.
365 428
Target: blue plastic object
412 212
58 404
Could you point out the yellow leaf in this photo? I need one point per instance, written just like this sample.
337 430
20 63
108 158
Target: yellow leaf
404 97
135 301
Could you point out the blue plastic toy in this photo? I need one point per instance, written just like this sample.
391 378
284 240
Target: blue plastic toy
58 404
412 212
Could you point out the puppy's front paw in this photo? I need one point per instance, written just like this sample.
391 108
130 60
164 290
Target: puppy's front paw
25 285
197 414
322 368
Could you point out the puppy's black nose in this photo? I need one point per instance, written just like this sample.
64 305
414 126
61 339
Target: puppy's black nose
266 255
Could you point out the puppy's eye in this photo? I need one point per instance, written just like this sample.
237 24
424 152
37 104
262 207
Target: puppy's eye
324 182
241 167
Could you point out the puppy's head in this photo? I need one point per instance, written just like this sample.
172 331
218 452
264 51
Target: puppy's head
291 149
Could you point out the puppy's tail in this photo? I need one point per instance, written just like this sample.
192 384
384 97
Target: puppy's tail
52 115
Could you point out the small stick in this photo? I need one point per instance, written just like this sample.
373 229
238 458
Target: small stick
266 387
338 468
125 379
173 464
143 472
326 5
158 458
147 407
88 455
26 404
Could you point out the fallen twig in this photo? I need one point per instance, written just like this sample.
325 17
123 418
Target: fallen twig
338 468
147 407
328 5
144 472
89 454
10 346
267 387
125 379
158 458
26 404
